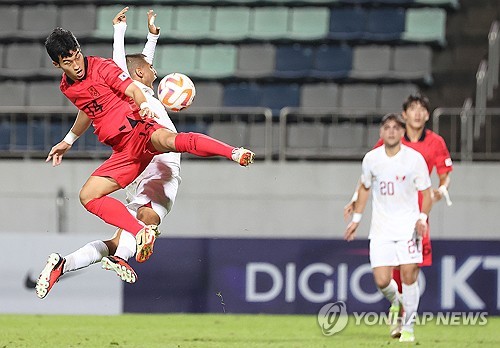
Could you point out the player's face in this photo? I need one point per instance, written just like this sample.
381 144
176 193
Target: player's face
73 66
391 133
149 74
416 115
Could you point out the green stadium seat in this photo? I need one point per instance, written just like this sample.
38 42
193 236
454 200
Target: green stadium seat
217 61
192 22
105 15
231 23
426 25
309 22
269 23
176 58
454 4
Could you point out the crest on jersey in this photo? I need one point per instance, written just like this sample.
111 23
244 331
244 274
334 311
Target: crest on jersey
93 92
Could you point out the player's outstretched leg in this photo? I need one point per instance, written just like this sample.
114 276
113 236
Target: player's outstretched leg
51 273
242 156
145 240
120 267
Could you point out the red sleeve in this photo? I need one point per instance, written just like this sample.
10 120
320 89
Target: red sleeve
443 160
379 143
114 76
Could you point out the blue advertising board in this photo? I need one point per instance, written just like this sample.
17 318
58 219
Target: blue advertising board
299 276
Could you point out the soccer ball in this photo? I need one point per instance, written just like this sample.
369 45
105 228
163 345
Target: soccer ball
176 91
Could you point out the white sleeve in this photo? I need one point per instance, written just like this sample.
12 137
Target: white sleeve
119 46
150 46
366 174
422 179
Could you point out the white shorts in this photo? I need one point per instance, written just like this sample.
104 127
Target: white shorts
395 253
158 184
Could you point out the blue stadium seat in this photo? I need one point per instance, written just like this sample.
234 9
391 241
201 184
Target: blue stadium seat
4 134
347 23
278 96
294 61
385 24
242 94
332 61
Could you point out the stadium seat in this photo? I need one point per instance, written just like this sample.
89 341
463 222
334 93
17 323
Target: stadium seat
36 135
231 23
293 61
413 63
332 61
306 136
24 58
255 60
38 20
192 21
45 93
257 138
208 94
359 96
278 96
372 135
371 62
217 61
242 94
19 141
269 23
234 133
71 18
5 132
309 23
105 15
176 58
324 95
392 96
347 23
385 24
454 4
345 136
164 20
104 50
10 20
426 25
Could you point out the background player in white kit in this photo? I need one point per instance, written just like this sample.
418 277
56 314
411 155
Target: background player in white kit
395 173
151 196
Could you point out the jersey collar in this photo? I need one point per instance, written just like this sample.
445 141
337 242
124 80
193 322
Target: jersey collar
422 137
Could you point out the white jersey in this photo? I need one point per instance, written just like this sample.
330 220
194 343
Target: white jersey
395 182
158 183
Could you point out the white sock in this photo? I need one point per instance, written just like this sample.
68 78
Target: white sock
411 298
126 246
391 292
87 255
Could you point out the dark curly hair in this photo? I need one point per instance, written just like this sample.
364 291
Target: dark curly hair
59 43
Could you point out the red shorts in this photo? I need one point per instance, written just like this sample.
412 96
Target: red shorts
426 250
132 153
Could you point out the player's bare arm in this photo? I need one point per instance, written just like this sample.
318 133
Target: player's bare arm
153 29
139 98
444 183
421 224
363 194
82 123
349 207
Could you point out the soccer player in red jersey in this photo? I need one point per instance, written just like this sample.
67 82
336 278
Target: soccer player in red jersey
416 112
102 92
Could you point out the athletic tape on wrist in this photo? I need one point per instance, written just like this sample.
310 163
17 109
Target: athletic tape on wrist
70 138
356 217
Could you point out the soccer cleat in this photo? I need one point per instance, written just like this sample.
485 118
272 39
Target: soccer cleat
395 321
243 156
121 268
145 240
51 273
407 336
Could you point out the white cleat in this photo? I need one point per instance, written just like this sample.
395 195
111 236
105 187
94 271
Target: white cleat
120 267
145 240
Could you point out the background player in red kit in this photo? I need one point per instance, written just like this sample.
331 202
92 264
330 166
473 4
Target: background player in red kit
102 91
416 112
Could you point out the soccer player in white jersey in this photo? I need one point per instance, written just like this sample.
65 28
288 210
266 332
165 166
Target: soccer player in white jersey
395 174
151 196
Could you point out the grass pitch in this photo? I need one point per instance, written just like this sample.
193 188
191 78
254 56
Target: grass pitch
219 331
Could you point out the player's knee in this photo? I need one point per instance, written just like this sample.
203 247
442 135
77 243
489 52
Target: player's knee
148 216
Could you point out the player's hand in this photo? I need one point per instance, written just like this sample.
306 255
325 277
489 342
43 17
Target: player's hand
348 210
436 195
153 29
421 228
350 232
57 152
120 16
147 113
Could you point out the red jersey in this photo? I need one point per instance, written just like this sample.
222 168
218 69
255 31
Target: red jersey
433 148
101 95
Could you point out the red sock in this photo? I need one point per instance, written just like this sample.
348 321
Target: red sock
202 145
396 275
114 213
